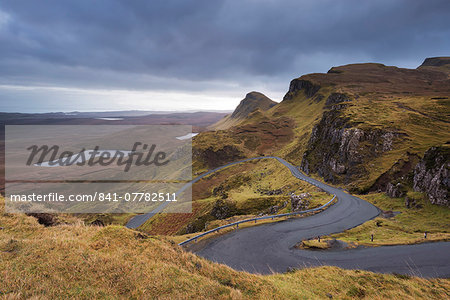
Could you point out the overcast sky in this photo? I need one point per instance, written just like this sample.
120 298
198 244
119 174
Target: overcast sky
198 55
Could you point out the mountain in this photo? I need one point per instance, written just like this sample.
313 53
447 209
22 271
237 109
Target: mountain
436 63
252 102
364 126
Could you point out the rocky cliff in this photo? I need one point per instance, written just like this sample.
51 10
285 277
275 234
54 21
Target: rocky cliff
431 175
339 150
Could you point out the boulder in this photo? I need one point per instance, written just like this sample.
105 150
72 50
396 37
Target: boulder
395 190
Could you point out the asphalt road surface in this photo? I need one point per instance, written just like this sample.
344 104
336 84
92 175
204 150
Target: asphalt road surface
270 247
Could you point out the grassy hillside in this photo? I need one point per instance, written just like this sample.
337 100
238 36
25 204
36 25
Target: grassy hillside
114 262
349 126
245 190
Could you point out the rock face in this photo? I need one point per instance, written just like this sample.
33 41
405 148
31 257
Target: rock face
338 151
440 64
431 175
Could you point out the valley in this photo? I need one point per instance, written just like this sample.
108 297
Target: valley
380 133
355 136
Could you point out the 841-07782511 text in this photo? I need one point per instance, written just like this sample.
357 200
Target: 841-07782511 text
138 197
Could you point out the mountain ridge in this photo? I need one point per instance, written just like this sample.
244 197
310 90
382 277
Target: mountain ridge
350 125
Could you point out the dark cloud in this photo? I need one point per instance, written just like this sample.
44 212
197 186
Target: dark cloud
196 45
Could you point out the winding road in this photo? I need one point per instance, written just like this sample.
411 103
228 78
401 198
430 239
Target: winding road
138 220
269 248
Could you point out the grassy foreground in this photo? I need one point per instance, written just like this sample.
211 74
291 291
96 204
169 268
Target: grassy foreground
114 262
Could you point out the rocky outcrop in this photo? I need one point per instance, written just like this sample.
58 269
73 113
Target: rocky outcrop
297 85
336 98
339 151
276 208
395 190
223 209
299 202
270 192
431 175
401 171
45 218
412 203
97 222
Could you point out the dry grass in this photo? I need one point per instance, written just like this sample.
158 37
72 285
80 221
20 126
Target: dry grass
76 261
314 244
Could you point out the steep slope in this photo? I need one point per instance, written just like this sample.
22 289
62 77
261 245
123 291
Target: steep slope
253 101
364 126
